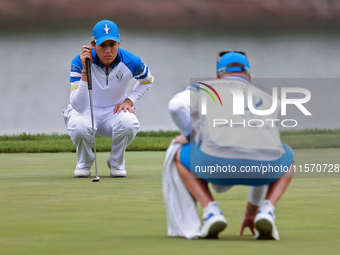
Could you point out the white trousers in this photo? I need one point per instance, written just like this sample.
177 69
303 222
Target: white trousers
122 128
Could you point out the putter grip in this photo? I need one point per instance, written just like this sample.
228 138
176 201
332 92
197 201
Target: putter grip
88 71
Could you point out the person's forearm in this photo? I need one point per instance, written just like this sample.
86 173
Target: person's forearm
83 75
138 91
79 98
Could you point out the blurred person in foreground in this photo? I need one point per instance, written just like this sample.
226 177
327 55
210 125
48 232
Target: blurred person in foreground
213 139
112 69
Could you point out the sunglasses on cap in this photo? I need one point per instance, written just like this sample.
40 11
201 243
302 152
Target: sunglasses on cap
231 66
222 53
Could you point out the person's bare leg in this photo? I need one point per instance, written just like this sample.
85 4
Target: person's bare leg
278 187
264 222
213 219
197 187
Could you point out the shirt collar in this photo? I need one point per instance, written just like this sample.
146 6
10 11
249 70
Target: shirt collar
235 77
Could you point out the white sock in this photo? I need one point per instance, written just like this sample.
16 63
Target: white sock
256 194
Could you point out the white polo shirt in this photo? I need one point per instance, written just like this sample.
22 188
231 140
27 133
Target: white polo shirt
109 88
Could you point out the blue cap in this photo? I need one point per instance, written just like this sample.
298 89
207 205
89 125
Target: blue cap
105 30
223 64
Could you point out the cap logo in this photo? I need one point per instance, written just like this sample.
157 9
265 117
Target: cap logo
106 29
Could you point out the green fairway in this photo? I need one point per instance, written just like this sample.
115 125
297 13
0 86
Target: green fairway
44 210
153 141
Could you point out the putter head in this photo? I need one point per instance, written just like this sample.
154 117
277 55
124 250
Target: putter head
96 179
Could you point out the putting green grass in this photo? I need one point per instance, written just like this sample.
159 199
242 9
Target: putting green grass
44 210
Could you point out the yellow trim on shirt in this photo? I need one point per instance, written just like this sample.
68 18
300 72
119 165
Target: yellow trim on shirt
149 81
74 87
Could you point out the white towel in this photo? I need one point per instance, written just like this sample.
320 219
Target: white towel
180 208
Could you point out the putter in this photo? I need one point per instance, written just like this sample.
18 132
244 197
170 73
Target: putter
89 83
